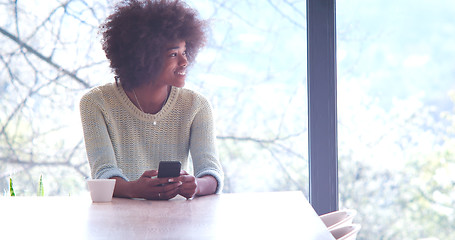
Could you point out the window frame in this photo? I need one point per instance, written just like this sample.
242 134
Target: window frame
322 105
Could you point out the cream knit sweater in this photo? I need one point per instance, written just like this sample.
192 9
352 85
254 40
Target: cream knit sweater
123 141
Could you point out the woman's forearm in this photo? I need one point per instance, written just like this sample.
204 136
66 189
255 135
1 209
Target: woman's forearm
206 185
123 188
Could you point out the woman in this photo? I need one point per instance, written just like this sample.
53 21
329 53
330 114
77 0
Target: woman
146 116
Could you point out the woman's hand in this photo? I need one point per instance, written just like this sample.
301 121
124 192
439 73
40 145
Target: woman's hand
153 188
188 189
192 186
148 187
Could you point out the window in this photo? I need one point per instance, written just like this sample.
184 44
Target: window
253 70
396 88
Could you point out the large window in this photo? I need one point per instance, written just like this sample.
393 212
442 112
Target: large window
396 95
253 70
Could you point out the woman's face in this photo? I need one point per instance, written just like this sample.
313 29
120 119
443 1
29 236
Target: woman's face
174 67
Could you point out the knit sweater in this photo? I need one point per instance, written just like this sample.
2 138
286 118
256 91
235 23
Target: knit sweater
122 141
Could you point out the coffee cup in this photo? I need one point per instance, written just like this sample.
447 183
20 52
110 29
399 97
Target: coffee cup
101 190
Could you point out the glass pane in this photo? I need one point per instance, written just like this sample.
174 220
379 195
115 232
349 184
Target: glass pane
396 94
253 70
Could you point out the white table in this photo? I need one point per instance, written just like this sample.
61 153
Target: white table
276 215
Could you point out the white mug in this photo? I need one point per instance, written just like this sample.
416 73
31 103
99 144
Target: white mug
101 190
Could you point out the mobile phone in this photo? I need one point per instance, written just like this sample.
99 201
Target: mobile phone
169 169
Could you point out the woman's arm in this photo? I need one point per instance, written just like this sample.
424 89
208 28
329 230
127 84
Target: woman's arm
98 144
204 154
206 185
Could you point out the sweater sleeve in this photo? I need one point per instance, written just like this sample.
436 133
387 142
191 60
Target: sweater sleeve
203 146
98 144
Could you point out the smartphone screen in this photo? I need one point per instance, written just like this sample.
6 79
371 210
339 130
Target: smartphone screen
168 169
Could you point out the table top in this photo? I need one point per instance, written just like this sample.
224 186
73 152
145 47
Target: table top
285 215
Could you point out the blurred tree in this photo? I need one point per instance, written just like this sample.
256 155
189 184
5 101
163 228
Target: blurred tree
47 59
415 189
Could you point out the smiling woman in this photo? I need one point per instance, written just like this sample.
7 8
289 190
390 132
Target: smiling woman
146 116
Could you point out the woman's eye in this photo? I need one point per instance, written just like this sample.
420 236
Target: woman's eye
184 53
173 55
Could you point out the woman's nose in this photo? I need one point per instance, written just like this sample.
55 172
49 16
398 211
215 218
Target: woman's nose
183 61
